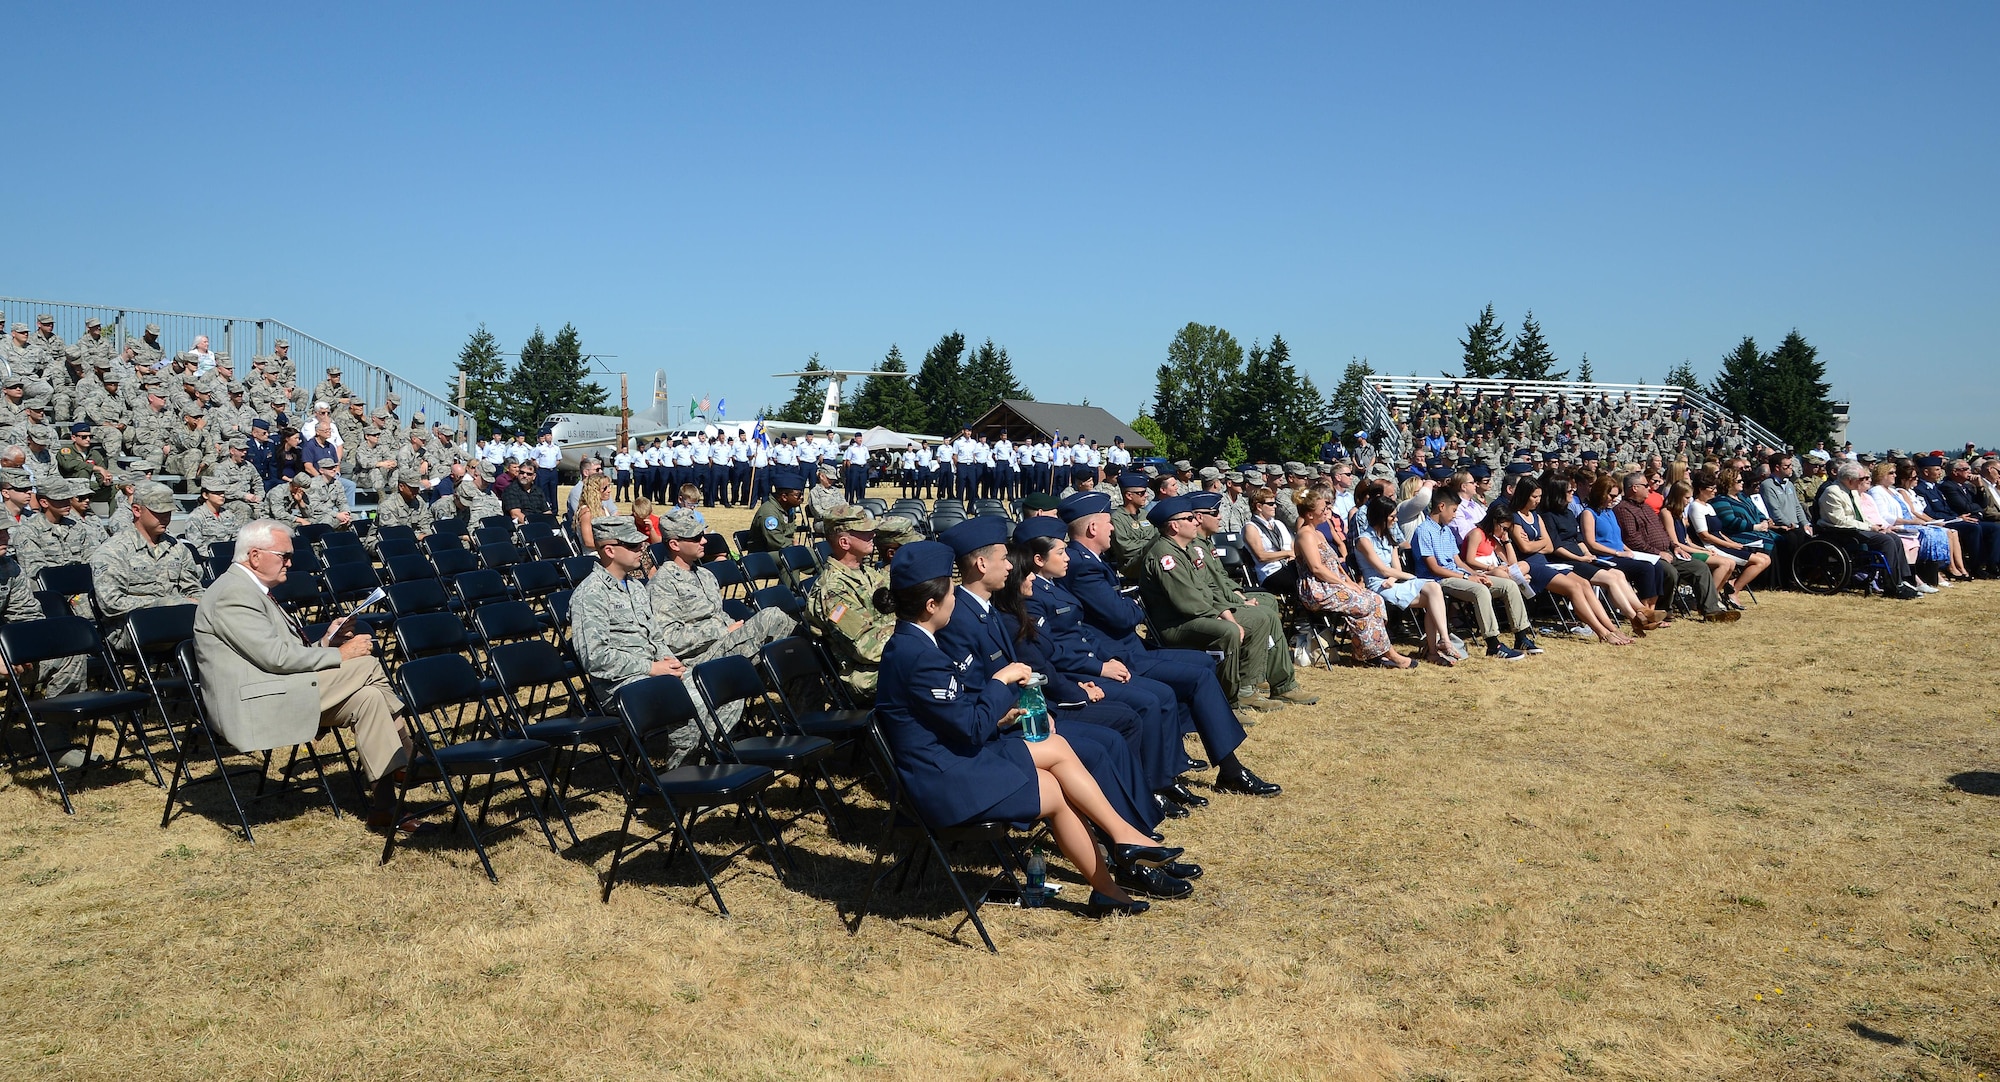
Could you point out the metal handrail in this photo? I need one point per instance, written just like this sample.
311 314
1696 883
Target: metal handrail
311 354
1405 388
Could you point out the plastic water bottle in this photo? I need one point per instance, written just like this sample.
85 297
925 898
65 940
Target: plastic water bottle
1035 895
1035 725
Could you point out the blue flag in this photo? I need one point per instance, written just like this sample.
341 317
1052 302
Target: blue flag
721 408
759 435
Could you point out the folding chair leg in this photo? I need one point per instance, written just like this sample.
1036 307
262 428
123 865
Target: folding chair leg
618 855
55 772
971 909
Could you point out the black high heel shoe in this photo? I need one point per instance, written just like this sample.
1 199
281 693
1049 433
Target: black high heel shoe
1144 856
1103 905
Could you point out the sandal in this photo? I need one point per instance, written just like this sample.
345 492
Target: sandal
1383 662
1441 659
409 824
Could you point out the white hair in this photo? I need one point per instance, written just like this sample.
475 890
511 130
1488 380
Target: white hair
1851 470
258 534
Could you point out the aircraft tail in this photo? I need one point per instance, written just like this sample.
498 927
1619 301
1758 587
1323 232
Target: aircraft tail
656 411
829 416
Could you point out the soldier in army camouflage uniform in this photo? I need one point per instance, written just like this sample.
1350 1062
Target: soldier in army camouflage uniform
217 518
617 637
365 462
144 567
841 606
826 496
687 602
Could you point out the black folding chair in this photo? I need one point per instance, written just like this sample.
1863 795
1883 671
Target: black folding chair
714 547
441 541
400 532
416 596
905 820
390 548
476 588
737 610
432 688
346 556
39 642
500 555
538 579
155 634
484 535
534 679
761 567
650 708
554 547
68 581
812 698
733 679
578 568
797 563
410 568
779 597
729 577
451 563
197 730
219 560
448 529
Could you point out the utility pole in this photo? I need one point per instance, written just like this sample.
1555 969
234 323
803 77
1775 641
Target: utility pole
624 409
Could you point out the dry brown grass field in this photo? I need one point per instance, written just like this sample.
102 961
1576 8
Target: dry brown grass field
1759 850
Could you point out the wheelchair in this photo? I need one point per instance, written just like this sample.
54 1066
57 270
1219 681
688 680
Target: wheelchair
1833 561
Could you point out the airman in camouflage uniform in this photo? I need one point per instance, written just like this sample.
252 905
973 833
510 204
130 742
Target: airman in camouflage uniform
307 499
617 637
280 363
108 415
20 354
365 461
190 450
403 506
687 602
473 502
18 604
414 457
331 390
841 606
217 519
351 423
149 434
144 567
55 536
146 350
240 480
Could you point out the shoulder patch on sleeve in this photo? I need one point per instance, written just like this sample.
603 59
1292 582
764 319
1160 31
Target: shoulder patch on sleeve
770 522
1167 562
838 612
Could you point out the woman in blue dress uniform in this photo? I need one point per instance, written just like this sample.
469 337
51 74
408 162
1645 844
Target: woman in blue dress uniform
1041 549
956 752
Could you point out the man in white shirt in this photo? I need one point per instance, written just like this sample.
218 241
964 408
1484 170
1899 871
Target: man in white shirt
547 456
1003 468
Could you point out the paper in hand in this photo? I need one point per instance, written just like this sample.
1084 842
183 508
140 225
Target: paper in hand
374 595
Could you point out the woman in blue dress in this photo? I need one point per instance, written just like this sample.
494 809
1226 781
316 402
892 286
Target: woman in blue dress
1533 546
957 752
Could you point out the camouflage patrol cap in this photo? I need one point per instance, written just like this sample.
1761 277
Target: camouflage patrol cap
681 525
37 401
42 434
300 479
93 321
233 387
152 328
1234 477
19 328
45 317
851 519
101 363
281 344
828 469
897 530
1295 469
238 444
127 479
60 488
154 497
617 528
193 411
16 478
400 477
333 371
212 483
1209 473
1182 465
15 380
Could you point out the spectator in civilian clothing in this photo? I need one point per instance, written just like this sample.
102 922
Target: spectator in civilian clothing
1641 528
1839 505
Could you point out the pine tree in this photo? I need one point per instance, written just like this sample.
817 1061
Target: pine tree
551 376
1484 343
1529 357
1683 375
1344 406
808 399
1798 402
940 386
989 378
1201 361
891 403
1585 373
485 370
1741 382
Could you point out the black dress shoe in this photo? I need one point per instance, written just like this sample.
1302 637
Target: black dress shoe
1906 592
1182 870
1103 905
1242 781
1156 836
1172 810
1181 794
1153 883
1148 856
1196 766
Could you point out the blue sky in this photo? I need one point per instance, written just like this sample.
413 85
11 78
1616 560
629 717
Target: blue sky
722 190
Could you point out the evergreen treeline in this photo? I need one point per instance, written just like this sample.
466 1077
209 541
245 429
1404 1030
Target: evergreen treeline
550 375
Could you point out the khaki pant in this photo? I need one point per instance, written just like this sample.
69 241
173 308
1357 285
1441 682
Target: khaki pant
1481 597
357 695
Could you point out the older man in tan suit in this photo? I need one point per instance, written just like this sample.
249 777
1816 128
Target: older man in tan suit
266 687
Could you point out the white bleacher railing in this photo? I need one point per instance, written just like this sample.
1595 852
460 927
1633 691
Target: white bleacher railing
1397 392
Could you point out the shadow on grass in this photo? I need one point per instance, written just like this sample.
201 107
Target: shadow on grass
1869 1033
1976 782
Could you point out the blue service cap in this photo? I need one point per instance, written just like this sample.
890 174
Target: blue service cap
1515 469
1204 501
1084 504
1132 479
1040 526
1930 460
1441 473
1588 456
974 534
261 423
787 479
920 561
80 426
1466 463
1480 470
1165 509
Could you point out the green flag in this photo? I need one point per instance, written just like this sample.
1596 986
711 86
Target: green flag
693 408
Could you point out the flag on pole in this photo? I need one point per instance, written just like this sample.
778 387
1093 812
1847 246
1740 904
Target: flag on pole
721 408
704 405
759 435
694 407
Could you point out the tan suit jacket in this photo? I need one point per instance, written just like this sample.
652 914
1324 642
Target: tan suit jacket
260 683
